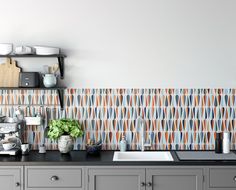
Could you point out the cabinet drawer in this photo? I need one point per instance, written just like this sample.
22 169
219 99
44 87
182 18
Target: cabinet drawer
223 178
54 177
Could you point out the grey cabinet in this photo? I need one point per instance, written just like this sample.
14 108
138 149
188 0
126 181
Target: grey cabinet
174 179
221 178
11 178
116 179
145 179
54 177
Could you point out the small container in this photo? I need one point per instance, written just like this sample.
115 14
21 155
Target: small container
218 143
25 148
226 142
94 149
33 120
49 80
123 144
42 149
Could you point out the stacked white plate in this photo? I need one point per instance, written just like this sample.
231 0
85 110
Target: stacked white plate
45 50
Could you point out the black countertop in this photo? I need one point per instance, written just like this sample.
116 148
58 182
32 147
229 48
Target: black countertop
80 158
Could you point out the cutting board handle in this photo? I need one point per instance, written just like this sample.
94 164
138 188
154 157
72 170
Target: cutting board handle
8 61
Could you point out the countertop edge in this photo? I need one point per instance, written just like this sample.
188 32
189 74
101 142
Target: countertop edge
80 158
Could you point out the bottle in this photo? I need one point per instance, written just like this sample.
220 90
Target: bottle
123 144
218 143
226 143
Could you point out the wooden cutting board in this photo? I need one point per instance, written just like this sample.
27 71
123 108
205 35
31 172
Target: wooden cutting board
9 74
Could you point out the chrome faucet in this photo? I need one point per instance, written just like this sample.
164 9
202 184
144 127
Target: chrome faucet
141 124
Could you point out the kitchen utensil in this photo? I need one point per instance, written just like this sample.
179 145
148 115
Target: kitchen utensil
6 49
46 69
45 50
24 50
19 113
55 68
50 70
47 125
9 74
29 79
49 80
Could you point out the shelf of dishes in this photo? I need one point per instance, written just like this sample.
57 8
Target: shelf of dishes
7 50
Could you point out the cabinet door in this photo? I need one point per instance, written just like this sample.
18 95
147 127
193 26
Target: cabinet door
10 178
174 179
222 178
116 179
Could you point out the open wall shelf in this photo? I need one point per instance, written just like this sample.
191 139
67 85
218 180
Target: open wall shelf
60 58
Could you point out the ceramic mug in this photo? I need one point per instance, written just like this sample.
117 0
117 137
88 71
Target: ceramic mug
25 148
8 145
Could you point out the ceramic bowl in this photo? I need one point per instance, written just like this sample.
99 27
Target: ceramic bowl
44 50
6 49
93 149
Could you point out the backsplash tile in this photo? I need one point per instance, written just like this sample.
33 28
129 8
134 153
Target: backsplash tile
175 118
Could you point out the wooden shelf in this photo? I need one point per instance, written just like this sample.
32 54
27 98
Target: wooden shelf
60 91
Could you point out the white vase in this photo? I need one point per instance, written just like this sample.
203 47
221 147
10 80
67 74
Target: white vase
65 144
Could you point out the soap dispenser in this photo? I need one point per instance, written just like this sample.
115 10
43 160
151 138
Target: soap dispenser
123 144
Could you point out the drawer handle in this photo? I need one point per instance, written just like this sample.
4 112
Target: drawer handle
149 184
234 178
143 184
17 184
54 178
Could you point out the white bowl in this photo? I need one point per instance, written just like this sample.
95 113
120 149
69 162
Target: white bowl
6 49
44 50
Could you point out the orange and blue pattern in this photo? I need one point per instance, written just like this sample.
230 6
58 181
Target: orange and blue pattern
184 119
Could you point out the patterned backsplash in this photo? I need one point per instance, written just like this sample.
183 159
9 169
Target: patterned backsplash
175 118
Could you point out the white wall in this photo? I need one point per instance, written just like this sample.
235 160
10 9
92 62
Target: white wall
130 43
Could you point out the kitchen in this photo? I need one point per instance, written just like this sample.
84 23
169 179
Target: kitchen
118 94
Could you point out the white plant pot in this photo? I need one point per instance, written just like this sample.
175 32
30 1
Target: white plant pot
65 144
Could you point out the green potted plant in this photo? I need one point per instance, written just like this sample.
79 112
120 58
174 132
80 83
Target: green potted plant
64 130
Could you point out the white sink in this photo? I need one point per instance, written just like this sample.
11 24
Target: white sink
143 156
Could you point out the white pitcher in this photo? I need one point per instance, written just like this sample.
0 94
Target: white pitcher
49 80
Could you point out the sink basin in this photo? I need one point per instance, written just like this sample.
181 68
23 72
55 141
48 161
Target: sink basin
142 156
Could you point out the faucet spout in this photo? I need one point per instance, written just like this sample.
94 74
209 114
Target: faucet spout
142 126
